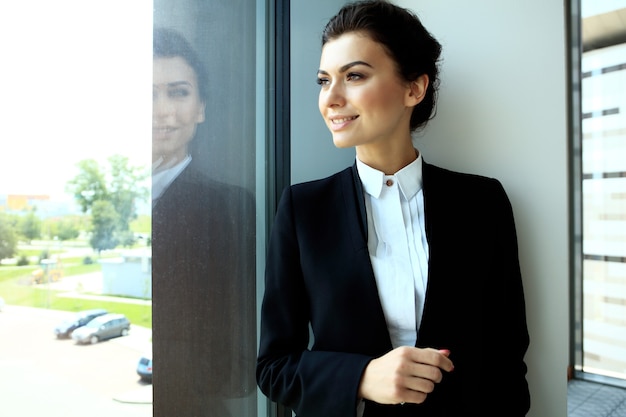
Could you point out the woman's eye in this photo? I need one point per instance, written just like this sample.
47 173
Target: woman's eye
354 76
179 93
322 81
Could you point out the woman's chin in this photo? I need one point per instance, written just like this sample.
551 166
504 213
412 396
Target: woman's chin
342 143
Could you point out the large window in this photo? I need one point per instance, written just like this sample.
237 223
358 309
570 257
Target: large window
204 207
601 315
74 207
152 209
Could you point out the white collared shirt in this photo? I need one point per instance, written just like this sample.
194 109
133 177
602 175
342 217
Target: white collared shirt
162 176
397 246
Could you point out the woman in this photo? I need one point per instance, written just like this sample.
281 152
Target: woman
203 255
406 273
179 94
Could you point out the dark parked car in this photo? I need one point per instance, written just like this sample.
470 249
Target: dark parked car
144 367
65 329
103 327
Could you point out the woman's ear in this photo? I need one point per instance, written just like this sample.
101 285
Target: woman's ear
417 91
200 117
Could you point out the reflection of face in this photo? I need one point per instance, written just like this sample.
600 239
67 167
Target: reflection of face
176 108
363 100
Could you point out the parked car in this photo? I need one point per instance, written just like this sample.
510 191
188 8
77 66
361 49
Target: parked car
103 327
65 328
144 367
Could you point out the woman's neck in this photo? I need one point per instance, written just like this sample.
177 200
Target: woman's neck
387 159
165 162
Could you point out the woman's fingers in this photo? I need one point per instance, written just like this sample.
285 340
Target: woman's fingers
405 374
425 372
417 358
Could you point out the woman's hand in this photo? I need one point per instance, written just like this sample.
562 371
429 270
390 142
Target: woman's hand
404 375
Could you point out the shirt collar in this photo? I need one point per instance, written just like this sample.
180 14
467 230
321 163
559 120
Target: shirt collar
162 178
409 178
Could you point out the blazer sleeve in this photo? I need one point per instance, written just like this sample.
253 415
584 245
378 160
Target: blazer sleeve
313 383
509 335
475 301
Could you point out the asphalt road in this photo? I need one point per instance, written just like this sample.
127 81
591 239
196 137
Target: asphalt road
41 375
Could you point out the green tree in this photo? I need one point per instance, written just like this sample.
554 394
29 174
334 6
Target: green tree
30 226
104 222
66 229
121 185
89 185
125 189
8 237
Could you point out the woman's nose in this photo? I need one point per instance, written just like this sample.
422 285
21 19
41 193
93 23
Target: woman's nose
161 106
333 95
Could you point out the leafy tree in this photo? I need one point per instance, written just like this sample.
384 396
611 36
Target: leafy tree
66 229
125 189
126 238
8 237
89 185
104 221
30 226
23 261
121 186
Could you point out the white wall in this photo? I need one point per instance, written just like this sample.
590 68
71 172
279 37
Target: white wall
502 113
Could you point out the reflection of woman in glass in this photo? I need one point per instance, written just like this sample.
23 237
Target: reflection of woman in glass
204 341
178 103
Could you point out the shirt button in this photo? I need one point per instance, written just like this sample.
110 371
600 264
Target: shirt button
389 183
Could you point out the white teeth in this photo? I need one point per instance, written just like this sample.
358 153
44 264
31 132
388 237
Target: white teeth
343 120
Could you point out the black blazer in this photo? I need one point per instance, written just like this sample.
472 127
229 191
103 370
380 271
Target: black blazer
319 272
203 287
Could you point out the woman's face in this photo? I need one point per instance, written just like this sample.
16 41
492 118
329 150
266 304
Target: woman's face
363 100
176 108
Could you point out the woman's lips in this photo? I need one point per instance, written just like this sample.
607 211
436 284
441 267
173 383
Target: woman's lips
163 129
161 132
338 123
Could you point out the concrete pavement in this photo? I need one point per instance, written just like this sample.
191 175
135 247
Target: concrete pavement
43 375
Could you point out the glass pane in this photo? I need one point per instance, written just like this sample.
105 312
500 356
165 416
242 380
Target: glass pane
604 211
74 207
204 208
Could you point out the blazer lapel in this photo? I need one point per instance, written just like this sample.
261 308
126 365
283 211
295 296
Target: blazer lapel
429 188
355 203
435 212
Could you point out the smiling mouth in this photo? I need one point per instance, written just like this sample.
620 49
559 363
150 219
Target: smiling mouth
163 130
342 120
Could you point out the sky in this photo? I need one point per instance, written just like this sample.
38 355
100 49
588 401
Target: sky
595 7
76 79
76 84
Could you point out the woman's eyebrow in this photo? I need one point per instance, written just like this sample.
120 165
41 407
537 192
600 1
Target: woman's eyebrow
179 83
347 67
174 84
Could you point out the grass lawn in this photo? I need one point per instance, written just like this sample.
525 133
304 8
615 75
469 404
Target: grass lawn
16 290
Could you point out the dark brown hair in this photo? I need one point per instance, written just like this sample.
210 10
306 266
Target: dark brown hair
168 43
414 50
